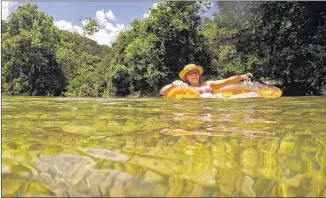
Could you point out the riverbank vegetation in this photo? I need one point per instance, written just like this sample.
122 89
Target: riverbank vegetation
276 41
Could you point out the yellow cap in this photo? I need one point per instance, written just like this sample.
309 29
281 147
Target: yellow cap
188 68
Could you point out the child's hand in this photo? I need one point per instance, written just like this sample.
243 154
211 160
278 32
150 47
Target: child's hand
247 75
178 83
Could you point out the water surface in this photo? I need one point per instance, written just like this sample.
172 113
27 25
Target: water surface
155 147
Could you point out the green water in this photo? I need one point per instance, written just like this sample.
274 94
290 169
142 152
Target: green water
156 147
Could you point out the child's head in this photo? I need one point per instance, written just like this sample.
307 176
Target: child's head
191 74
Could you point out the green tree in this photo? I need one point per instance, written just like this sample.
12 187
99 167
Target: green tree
222 33
29 65
290 36
80 58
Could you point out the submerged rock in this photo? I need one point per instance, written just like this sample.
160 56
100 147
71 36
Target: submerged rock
176 186
75 176
106 154
247 188
150 176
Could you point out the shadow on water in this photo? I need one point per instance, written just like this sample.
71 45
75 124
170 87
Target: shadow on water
156 147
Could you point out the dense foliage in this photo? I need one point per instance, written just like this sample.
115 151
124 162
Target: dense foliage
276 41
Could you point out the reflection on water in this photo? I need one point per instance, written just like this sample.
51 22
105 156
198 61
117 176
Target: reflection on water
155 147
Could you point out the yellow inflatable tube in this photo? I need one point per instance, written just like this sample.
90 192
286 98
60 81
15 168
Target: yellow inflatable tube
182 92
263 91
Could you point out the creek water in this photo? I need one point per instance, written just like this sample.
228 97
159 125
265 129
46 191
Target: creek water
157 147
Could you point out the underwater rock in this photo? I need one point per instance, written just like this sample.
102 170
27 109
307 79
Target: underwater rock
247 189
294 181
138 188
18 168
133 170
188 188
263 186
250 161
106 154
10 187
78 172
197 191
100 181
117 190
5 169
268 168
33 189
206 179
317 185
176 186
238 182
290 187
150 176
285 190
62 163
79 178
162 166
160 190
71 192
226 182
288 146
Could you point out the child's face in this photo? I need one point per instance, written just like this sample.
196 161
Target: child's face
193 77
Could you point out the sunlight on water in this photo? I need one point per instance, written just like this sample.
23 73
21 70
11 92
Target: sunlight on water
155 147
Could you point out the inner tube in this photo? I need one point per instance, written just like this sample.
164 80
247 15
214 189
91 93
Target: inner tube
262 90
182 92
270 92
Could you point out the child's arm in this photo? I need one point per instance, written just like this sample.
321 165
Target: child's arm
232 80
168 87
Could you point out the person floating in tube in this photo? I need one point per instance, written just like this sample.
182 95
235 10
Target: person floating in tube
191 76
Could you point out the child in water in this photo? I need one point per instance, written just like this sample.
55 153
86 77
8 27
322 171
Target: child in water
191 75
